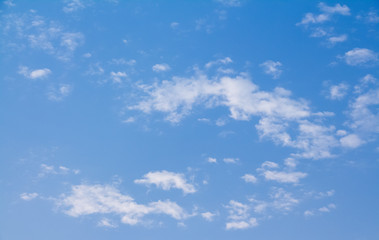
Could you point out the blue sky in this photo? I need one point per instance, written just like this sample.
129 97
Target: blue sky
223 119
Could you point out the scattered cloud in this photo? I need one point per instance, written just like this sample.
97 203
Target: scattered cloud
208 216
360 56
28 196
327 13
239 217
105 199
167 180
61 170
34 74
327 208
174 25
105 222
272 68
249 178
337 39
163 67
337 92
212 160
9 3
287 176
351 141
72 6
118 76
60 92
221 61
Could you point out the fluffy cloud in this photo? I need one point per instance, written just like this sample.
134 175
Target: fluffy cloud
105 199
212 160
28 196
351 141
337 9
208 216
58 93
72 6
167 180
118 76
360 56
161 67
337 39
34 74
272 68
222 61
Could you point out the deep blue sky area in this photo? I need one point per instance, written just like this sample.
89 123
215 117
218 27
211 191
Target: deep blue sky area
219 119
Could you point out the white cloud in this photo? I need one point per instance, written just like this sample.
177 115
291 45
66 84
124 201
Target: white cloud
360 56
249 178
351 141
212 160
118 76
268 164
337 39
272 68
290 163
223 61
239 217
167 180
58 93
28 196
327 208
338 91
161 67
62 170
34 74
277 110
337 9
308 213
105 199
231 160
327 13
372 17
364 118
283 177
208 216
72 6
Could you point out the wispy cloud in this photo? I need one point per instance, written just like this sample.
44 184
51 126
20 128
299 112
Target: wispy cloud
272 68
28 196
60 92
163 67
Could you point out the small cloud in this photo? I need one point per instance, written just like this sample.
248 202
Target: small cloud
249 178
268 164
360 56
60 92
34 74
290 162
129 120
174 25
9 3
221 122
337 92
337 39
337 9
118 76
105 222
308 213
87 55
231 160
272 68
167 180
208 216
341 133
327 208
225 134
28 196
212 160
125 41
161 67
351 141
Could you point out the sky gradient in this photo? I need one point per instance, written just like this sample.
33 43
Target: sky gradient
223 119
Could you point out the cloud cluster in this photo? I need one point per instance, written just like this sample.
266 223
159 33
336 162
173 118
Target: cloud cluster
272 68
105 199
